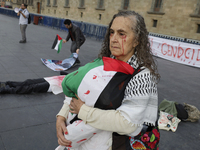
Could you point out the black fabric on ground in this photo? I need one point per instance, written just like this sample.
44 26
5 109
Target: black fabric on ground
28 86
181 112
63 73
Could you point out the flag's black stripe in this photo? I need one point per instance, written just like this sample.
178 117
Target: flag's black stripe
55 42
112 95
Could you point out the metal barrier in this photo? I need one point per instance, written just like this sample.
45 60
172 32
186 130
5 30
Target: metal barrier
56 23
180 39
88 29
62 26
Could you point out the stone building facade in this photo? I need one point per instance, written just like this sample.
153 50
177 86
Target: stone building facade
179 18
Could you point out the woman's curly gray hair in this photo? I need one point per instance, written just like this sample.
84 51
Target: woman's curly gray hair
143 49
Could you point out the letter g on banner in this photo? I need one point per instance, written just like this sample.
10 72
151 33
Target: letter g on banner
162 49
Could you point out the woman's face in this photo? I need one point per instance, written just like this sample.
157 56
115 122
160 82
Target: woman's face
122 39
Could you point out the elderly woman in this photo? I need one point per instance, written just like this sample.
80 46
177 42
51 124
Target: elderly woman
126 40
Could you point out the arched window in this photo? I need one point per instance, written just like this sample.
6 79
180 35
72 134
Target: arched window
125 4
199 10
82 3
55 2
157 5
31 2
66 3
198 28
48 2
100 4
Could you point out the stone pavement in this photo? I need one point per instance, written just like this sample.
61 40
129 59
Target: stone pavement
28 121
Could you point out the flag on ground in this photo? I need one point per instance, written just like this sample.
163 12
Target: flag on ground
57 45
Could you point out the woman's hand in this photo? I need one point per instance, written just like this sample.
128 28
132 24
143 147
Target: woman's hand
75 105
61 130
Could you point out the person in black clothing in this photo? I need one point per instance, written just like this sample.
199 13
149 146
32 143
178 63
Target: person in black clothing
28 86
76 36
39 85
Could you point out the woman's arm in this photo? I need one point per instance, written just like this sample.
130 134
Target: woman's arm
108 120
64 111
61 130
61 124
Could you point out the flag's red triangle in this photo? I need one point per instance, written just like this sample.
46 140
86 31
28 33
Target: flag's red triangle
59 38
111 64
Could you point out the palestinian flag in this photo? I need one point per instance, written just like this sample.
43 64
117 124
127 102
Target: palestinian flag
100 83
57 45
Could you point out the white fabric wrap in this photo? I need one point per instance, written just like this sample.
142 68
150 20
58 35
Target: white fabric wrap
140 103
81 134
55 84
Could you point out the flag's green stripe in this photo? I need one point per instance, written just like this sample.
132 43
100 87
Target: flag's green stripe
60 46
73 80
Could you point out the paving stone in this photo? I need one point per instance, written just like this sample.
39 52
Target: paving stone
20 117
49 111
1 144
42 137
27 100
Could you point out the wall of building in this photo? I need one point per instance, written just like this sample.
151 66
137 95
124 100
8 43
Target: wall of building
176 18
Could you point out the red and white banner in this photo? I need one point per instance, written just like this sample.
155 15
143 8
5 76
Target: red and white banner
184 53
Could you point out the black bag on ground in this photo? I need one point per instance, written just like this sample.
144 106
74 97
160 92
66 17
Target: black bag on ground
29 19
181 112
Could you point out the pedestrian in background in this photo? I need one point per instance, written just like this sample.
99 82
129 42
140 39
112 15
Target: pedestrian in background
76 36
23 21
